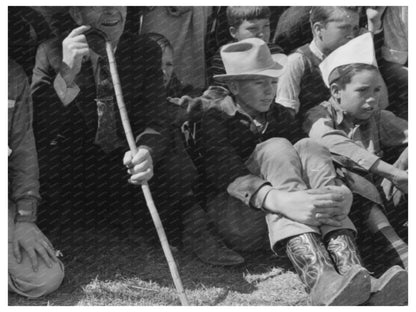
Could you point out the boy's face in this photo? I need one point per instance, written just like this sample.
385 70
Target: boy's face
257 28
342 27
255 95
109 19
167 65
360 97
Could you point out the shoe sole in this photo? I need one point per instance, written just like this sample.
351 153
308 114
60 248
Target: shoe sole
393 293
356 291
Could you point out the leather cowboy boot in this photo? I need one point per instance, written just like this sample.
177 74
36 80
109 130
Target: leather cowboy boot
198 239
388 290
323 283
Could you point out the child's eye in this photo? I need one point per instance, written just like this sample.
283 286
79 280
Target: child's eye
378 89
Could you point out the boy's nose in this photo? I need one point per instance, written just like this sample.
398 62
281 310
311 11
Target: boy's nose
372 100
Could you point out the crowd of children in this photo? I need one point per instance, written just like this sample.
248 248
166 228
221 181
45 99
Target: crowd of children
302 150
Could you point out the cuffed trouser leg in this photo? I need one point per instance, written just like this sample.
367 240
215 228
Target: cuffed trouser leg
318 172
293 168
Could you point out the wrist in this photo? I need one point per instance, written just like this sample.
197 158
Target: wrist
26 210
67 75
273 202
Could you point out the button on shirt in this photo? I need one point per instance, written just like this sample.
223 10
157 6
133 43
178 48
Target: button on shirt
362 142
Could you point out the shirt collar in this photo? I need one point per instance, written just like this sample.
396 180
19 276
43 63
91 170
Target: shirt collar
342 117
339 113
315 50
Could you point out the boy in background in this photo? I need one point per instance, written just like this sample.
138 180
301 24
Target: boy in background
244 22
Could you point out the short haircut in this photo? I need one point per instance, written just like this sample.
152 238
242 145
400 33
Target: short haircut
323 13
161 40
236 15
342 75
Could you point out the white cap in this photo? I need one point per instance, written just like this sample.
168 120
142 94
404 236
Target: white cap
358 50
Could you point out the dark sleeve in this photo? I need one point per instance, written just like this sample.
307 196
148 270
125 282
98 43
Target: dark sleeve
222 163
45 98
378 44
154 102
23 162
216 68
288 126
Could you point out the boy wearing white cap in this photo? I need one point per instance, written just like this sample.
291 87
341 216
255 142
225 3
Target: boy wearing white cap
332 26
355 130
247 155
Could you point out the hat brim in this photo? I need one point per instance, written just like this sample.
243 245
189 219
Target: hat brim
272 72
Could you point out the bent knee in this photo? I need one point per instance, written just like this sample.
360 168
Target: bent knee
310 146
274 146
26 282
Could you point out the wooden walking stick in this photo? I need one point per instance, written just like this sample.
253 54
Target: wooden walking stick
132 145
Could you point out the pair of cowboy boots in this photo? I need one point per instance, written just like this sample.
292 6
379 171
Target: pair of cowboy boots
390 289
334 275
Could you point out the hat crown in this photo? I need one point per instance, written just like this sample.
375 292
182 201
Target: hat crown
247 56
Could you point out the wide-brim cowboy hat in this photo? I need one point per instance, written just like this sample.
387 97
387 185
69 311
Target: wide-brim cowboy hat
250 59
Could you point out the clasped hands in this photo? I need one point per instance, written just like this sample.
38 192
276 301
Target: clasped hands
324 206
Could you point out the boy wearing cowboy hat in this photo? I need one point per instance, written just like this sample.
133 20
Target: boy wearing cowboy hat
247 153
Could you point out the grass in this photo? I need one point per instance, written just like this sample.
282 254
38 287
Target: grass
107 270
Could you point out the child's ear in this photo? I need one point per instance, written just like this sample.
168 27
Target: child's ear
317 29
335 90
233 86
233 31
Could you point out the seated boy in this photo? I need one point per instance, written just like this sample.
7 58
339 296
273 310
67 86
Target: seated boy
244 22
356 131
247 155
301 86
34 270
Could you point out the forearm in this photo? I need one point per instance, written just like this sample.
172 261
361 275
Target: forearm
273 202
338 143
385 170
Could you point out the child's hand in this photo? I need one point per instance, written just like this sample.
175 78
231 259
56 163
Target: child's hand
314 207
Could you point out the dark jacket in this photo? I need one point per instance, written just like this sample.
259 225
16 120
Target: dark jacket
227 141
23 162
138 63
